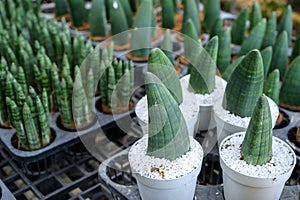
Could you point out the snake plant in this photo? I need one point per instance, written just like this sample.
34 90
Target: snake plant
257 144
97 19
141 36
160 66
289 91
224 52
118 21
128 12
78 13
167 45
280 54
271 86
296 48
190 38
116 85
168 134
191 11
255 16
239 27
255 38
270 35
61 8
211 13
266 55
168 14
30 121
216 29
245 85
202 79
286 23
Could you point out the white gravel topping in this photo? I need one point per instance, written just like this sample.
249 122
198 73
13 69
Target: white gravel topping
205 99
160 168
282 158
243 121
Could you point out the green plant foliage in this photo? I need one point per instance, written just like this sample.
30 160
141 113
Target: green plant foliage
286 23
190 38
78 12
239 27
202 79
191 11
224 52
255 16
270 35
168 14
230 68
211 13
255 38
280 54
271 86
245 85
168 135
61 8
161 67
289 91
257 144
266 55
167 46
127 11
296 49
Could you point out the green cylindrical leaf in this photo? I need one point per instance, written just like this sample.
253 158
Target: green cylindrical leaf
167 46
224 53
255 38
239 27
286 23
255 16
245 85
16 121
296 49
160 66
257 144
290 92
280 54
140 43
43 122
271 86
97 19
190 38
191 11
216 29
111 86
61 8
168 14
118 22
168 135
270 35
31 131
202 79
266 55
78 12
127 11
65 106
211 13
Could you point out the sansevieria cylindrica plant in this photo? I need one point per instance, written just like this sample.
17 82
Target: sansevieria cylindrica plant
61 8
245 85
271 86
211 13
31 121
78 13
202 79
257 144
239 27
97 20
191 11
168 134
289 91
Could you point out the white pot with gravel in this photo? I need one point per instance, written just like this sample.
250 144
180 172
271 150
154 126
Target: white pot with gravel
205 102
245 85
255 164
166 161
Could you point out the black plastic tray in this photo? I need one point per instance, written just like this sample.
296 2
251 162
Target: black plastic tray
38 161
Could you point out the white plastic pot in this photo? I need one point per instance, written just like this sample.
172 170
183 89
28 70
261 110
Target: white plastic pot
238 186
226 128
181 188
206 115
168 189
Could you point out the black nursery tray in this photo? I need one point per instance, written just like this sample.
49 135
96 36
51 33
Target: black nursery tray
38 161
